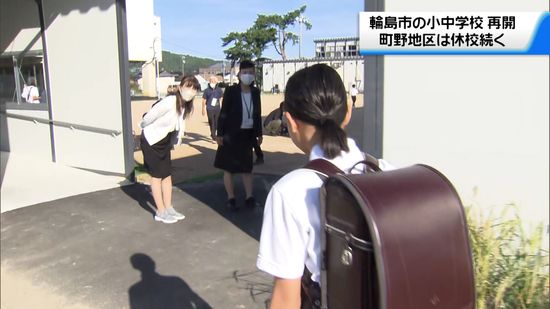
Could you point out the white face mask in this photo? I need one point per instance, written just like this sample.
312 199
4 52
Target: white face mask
247 79
212 85
187 94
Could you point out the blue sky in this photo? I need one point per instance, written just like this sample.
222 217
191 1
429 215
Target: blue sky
196 27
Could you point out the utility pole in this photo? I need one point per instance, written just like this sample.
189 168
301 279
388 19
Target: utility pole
157 77
156 67
223 70
300 39
301 20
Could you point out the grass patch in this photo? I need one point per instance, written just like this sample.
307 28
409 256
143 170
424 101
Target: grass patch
510 264
140 168
140 173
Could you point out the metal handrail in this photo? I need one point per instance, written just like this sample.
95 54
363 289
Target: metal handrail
69 125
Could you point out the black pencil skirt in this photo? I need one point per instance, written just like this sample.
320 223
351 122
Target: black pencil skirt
235 156
156 158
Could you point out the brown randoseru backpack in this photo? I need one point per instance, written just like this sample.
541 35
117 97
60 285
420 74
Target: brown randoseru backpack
392 240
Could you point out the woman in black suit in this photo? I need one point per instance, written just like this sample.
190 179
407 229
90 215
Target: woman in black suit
239 127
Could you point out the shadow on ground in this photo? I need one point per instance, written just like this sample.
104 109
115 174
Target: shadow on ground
158 291
248 220
213 195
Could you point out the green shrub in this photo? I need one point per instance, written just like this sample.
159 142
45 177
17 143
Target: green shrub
510 266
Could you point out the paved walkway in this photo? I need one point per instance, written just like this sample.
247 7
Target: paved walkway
104 250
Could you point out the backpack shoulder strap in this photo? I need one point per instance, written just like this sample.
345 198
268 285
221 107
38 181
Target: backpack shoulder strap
315 295
323 167
327 169
371 160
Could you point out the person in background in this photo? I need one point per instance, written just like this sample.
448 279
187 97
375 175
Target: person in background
353 93
239 128
172 90
162 127
211 105
274 123
31 93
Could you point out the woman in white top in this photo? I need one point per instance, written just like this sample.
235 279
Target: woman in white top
316 109
163 126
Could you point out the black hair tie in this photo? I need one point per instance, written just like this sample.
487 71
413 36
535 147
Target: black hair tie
326 123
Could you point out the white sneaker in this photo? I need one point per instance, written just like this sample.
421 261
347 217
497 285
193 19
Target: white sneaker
165 217
176 215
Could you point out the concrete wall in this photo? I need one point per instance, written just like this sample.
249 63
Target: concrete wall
268 77
290 69
164 82
19 26
85 82
278 77
148 79
19 33
300 65
353 74
142 31
481 120
144 41
279 72
157 46
26 137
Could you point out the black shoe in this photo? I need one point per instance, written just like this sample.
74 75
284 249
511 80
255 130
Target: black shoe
231 204
250 202
259 161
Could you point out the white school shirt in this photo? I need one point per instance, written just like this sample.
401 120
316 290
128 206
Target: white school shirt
354 92
162 119
246 100
291 229
33 92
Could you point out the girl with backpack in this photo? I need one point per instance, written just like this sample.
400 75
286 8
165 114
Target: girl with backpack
317 112
163 126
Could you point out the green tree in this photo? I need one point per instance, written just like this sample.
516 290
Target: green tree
267 29
247 45
278 26
240 50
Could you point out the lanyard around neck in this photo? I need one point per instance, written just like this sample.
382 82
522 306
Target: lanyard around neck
248 105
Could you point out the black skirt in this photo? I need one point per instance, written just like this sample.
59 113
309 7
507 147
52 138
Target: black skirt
156 158
235 156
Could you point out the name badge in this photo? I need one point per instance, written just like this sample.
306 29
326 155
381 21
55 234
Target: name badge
213 102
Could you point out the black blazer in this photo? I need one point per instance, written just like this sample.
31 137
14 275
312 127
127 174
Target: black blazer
231 114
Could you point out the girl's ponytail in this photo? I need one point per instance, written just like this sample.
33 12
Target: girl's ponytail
333 138
316 95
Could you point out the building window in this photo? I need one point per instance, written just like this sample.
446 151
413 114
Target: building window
340 49
22 80
320 51
352 50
